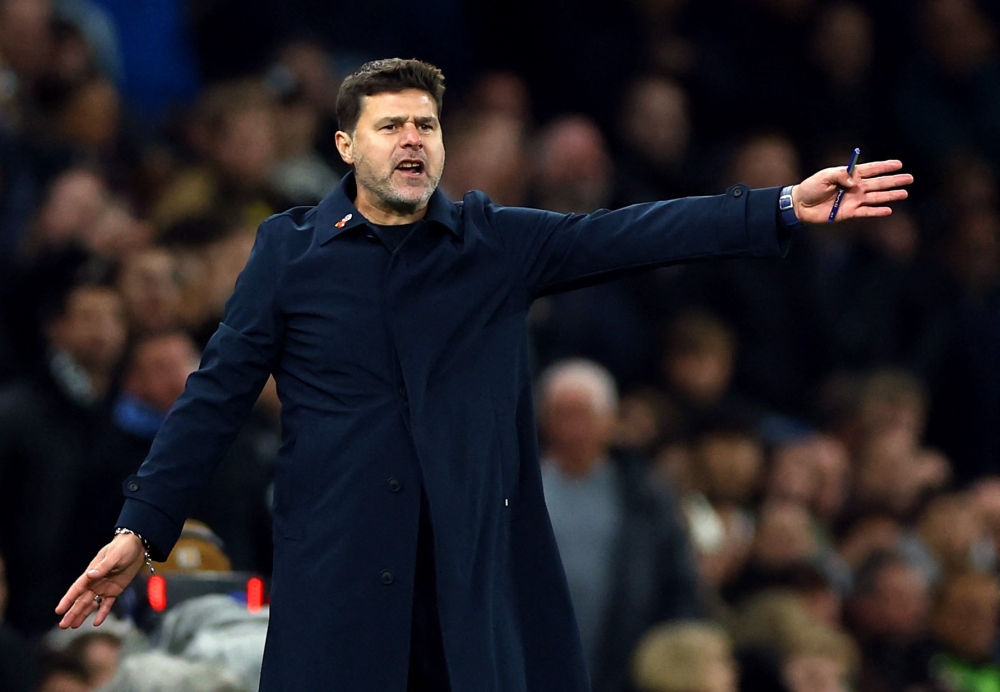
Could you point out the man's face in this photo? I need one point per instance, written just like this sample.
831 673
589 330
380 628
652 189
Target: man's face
396 149
160 370
92 330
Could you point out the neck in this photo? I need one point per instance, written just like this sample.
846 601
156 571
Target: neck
376 211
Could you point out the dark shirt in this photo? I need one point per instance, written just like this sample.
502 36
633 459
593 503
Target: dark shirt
393 236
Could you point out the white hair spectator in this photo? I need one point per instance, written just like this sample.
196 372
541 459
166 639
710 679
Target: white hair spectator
582 373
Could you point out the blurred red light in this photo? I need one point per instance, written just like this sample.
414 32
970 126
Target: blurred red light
255 594
156 591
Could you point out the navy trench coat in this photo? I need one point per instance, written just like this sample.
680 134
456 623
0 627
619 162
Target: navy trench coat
401 368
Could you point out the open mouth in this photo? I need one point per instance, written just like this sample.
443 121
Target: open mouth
411 169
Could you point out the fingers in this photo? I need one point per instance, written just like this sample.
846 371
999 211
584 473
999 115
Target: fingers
104 610
868 212
874 168
885 197
888 182
83 606
78 588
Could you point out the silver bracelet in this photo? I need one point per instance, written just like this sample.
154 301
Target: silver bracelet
121 530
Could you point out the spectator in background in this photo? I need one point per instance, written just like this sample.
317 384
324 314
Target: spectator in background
685 657
233 131
841 50
814 470
783 539
699 356
158 672
502 93
486 151
769 305
209 252
49 424
948 97
949 538
233 503
782 646
73 204
147 281
99 654
300 174
655 161
625 552
573 171
965 616
821 658
888 615
811 655
868 535
574 174
727 471
63 673
313 69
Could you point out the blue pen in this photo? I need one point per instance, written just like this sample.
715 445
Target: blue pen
841 191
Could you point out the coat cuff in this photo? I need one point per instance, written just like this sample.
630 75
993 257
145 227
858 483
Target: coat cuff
159 530
767 236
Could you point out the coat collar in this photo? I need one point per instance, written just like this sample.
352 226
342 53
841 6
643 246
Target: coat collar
337 213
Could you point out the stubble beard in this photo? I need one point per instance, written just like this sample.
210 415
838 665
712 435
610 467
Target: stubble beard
384 191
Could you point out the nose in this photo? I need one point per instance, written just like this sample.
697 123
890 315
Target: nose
411 137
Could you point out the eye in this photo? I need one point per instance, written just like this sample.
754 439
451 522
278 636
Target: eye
426 127
388 128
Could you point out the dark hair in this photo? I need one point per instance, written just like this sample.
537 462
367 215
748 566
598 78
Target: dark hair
868 573
382 76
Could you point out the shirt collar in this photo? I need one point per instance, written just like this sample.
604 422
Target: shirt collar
337 213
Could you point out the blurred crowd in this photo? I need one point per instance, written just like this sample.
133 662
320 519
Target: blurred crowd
762 474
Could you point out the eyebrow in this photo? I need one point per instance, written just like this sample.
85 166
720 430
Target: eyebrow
417 120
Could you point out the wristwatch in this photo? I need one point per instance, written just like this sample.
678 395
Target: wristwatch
787 209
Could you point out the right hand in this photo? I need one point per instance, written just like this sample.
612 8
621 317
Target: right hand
108 575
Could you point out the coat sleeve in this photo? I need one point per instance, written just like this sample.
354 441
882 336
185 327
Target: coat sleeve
216 401
553 252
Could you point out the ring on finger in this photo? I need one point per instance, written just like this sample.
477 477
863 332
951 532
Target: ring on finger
98 598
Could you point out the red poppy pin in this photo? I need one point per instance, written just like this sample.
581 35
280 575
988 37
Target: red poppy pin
343 221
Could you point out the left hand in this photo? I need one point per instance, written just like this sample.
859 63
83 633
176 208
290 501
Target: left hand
867 191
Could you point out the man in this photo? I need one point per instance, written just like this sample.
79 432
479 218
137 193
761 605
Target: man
394 323
626 553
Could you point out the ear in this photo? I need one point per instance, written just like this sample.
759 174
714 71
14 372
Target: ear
345 146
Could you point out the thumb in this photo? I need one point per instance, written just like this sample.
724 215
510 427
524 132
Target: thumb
842 178
102 567
98 570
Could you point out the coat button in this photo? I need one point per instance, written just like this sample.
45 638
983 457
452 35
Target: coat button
402 393
394 485
371 238
738 192
133 486
386 577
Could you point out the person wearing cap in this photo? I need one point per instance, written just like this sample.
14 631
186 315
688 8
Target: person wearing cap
413 549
